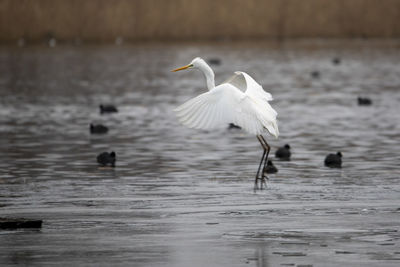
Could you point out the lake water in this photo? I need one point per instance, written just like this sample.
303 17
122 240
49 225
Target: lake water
183 197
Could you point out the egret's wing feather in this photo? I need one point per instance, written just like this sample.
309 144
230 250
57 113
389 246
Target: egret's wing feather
249 86
205 111
238 81
256 93
225 104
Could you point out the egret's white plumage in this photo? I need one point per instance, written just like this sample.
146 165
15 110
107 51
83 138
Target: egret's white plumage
239 100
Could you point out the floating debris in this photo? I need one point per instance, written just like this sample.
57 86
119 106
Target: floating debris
344 252
295 243
290 254
15 223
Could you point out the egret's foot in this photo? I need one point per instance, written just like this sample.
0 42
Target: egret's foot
264 177
263 183
256 185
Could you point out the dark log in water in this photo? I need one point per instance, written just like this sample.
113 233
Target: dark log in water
15 223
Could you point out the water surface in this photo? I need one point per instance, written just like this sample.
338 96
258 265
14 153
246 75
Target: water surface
183 197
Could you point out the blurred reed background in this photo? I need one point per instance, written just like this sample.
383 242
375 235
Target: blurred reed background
135 20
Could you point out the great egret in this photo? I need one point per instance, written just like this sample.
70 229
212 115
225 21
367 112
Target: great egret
239 100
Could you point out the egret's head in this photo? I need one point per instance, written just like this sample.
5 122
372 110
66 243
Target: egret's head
196 63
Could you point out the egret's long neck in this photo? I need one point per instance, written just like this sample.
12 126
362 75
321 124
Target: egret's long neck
209 74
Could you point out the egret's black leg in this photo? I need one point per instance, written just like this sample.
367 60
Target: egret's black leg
266 158
267 149
262 142
258 171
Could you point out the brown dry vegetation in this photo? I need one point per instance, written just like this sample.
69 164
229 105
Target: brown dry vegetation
102 20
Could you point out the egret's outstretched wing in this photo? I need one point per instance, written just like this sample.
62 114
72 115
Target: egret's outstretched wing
249 86
227 104
254 91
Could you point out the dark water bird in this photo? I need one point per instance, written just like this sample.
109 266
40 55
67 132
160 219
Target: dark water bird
107 109
98 129
364 101
334 160
239 100
283 153
214 61
233 126
336 61
315 74
106 158
270 168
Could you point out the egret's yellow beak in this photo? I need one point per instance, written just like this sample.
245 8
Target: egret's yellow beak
183 68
